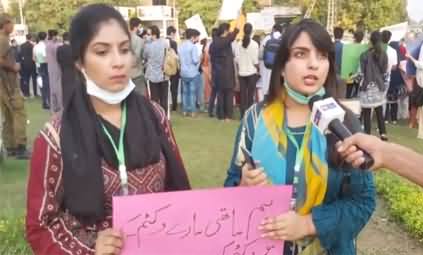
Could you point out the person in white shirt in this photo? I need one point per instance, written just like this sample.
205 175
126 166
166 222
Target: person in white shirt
265 72
391 52
247 60
392 65
40 59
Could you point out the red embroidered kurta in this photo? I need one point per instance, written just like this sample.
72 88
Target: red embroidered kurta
51 230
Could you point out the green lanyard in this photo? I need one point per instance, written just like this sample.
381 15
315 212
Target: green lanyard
299 157
300 151
120 151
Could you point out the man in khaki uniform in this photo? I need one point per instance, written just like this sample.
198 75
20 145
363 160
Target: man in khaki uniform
11 99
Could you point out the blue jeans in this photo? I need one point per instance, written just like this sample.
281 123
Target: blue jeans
199 94
189 93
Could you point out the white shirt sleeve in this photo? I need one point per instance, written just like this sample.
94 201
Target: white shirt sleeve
255 53
392 58
44 50
236 52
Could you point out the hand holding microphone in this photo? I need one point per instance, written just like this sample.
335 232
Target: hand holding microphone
327 115
349 150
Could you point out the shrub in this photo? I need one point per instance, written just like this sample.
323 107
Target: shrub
405 201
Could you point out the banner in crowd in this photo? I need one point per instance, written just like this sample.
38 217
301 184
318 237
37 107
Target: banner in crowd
261 22
206 222
398 31
351 59
231 9
196 22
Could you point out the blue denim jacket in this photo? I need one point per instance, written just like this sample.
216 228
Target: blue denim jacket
342 216
190 59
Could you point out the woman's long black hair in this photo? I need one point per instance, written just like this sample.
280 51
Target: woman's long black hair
376 41
83 143
248 30
320 39
323 42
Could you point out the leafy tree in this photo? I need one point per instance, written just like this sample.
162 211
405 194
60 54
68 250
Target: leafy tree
372 13
42 15
47 14
208 10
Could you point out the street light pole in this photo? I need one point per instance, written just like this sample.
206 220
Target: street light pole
21 11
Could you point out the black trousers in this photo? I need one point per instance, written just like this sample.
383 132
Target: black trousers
212 100
225 104
247 89
391 113
45 90
25 80
159 93
352 90
174 85
367 119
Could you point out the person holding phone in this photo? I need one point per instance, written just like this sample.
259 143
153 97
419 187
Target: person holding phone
332 202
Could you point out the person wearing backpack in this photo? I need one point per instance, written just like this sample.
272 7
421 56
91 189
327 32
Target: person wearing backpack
267 50
154 57
190 61
137 72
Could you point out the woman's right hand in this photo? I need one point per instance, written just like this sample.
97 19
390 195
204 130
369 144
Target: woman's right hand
253 177
109 242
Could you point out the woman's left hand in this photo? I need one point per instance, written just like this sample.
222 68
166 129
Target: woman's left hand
288 227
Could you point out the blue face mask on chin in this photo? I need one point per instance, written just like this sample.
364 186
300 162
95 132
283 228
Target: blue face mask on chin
300 98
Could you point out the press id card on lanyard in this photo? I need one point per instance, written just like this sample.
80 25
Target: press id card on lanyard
120 152
299 157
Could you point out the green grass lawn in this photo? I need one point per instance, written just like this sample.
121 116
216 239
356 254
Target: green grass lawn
206 146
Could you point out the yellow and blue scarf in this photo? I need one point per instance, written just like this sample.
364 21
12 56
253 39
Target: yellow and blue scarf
270 146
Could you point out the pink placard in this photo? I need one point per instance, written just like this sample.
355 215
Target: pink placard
201 222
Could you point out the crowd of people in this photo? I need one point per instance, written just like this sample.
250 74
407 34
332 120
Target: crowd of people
215 74
108 84
382 81
201 74
210 75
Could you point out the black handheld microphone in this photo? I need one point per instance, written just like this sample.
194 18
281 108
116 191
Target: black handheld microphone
327 115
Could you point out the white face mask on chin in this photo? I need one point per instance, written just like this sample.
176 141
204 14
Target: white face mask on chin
105 95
